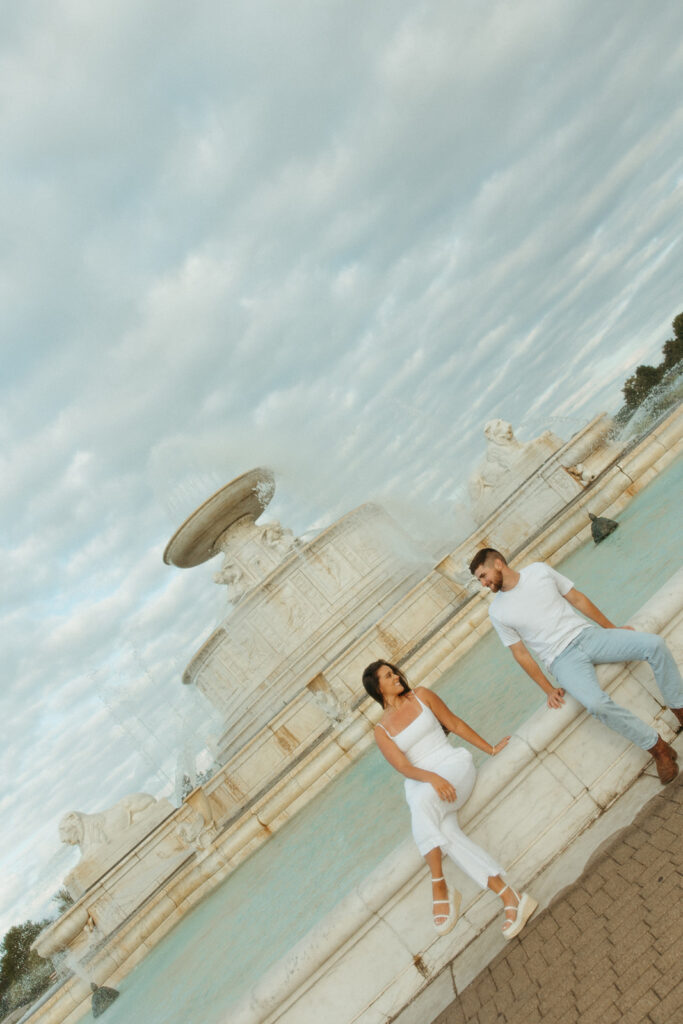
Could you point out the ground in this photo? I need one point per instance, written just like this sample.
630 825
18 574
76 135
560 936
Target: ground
608 949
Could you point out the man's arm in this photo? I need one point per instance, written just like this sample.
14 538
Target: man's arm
521 655
587 608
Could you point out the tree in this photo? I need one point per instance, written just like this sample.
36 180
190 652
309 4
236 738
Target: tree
640 384
23 974
63 899
673 349
678 326
646 380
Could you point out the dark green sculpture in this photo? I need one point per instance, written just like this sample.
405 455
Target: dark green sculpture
102 998
600 527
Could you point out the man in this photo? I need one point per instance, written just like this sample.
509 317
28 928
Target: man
538 609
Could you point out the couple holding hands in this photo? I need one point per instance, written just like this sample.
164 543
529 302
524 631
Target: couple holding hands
535 611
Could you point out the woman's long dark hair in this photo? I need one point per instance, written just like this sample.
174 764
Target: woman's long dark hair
371 682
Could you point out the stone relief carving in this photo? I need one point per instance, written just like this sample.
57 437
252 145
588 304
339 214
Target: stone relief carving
251 553
367 546
582 475
506 464
277 538
250 652
199 828
234 579
326 699
194 832
298 615
339 569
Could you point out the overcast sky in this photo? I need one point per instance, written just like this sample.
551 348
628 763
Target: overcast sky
333 238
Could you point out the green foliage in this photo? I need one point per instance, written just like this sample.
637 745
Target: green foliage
673 350
647 379
63 900
23 974
640 384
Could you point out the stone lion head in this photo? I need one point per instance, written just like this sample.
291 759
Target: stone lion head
71 829
230 573
499 432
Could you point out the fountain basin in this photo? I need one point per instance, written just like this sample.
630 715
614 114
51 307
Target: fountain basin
197 539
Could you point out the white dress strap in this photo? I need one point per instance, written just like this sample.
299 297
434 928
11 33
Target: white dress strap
424 708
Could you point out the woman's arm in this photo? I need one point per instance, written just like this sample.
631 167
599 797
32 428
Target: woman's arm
398 760
456 725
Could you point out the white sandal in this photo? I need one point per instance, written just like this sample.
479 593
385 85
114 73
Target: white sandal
449 920
526 905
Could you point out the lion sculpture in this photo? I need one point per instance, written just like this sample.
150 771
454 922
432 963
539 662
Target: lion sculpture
106 836
507 463
91 830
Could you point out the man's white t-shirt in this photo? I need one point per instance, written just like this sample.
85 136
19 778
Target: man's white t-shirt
535 612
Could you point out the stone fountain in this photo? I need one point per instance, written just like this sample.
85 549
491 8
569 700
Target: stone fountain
293 607
283 667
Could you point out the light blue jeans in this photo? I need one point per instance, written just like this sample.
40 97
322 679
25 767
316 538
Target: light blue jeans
573 669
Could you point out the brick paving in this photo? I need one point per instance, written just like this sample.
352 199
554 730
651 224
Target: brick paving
608 949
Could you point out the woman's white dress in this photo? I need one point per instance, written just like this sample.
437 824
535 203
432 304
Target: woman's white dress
435 821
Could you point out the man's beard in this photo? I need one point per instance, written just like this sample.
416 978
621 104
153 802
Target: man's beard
496 584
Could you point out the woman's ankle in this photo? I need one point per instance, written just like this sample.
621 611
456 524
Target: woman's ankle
509 896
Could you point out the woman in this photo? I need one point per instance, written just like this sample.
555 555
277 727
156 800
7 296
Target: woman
439 779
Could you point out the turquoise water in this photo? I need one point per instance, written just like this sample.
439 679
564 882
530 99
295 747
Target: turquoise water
227 942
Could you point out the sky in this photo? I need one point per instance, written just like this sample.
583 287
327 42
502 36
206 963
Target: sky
330 238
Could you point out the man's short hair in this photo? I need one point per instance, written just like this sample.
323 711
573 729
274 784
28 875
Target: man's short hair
485 555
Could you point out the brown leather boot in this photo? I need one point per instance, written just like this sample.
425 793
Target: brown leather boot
678 712
665 760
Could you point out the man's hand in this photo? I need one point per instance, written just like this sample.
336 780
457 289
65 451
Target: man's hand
556 697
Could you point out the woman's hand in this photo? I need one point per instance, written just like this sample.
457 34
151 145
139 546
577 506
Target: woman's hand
499 746
556 697
444 790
